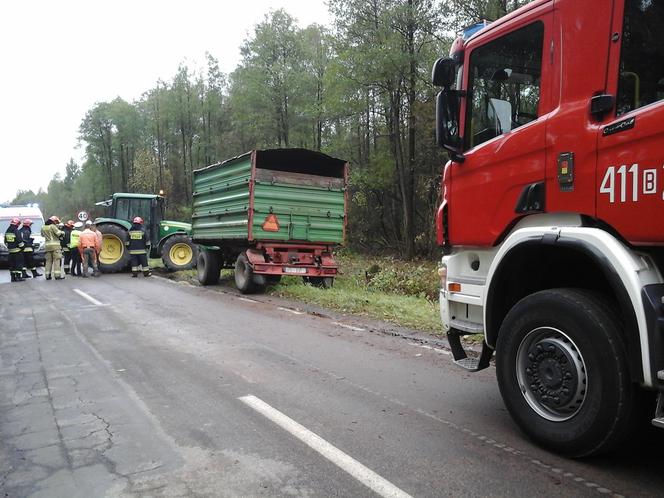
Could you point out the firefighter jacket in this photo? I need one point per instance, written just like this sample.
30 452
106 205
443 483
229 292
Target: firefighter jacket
13 239
66 239
52 234
88 240
26 237
73 239
138 240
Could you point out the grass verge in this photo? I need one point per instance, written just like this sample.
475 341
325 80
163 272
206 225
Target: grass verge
401 292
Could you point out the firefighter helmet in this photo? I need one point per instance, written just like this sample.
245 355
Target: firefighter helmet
138 220
27 222
70 223
54 219
15 221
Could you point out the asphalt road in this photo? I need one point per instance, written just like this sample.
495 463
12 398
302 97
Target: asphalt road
144 387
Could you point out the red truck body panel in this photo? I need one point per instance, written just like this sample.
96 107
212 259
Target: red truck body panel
618 176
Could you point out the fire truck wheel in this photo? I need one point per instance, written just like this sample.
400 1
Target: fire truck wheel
208 267
563 374
244 276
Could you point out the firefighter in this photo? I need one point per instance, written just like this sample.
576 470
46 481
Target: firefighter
64 243
14 246
73 247
138 248
88 246
28 250
52 234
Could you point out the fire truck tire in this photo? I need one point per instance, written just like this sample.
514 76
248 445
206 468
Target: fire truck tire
245 280
562 372
208 267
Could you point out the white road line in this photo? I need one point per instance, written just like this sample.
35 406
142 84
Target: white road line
89 298
357 329
295 312
363 474
247 300
424 346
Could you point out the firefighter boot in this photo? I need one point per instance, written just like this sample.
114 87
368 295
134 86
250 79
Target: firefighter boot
13 276
147 273
25 275
134 274
18 277
36 274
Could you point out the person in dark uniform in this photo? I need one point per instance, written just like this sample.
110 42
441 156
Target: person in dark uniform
138 248
28 250
64 243
14 245
76 270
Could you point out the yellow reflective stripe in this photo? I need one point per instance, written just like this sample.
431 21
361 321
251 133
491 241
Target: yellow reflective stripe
10 237
27 249
137 251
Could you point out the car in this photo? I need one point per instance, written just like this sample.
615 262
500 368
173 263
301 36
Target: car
31 211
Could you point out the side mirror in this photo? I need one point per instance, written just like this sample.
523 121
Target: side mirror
447 123
443 72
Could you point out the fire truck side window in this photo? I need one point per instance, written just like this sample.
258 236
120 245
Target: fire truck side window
641 79
504 84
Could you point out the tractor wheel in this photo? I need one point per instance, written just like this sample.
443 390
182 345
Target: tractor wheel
562 371
114 255
245 279
209 266
179 253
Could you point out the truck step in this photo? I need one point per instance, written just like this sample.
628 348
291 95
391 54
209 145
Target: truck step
658 421
461 358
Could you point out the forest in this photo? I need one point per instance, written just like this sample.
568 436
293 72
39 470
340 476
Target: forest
359 90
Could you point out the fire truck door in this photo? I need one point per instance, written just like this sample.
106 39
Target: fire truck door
630 173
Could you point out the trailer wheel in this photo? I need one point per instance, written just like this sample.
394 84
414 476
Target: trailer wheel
321 282
114 256
179 253
272 279
562 372
208 266
245 280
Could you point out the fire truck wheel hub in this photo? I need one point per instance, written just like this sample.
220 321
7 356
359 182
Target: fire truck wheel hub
551 374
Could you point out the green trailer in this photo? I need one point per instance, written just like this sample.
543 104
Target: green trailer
269 213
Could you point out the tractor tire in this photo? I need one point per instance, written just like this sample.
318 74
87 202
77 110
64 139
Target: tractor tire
114 256
209 267
563 374
179 253
245 279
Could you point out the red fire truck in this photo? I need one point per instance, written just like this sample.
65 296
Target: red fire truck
552 218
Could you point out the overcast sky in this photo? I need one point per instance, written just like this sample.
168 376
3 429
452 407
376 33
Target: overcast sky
59 57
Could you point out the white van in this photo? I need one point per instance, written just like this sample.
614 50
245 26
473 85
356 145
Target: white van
31 211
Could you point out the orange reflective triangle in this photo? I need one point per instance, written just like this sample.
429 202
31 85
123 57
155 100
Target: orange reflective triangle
271 223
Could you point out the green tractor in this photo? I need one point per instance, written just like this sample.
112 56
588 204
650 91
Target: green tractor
170 239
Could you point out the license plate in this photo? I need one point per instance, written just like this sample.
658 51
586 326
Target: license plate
295 270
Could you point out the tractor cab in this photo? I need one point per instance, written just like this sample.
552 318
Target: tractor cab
169 240
150 207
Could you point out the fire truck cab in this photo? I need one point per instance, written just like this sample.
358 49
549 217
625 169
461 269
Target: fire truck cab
552 218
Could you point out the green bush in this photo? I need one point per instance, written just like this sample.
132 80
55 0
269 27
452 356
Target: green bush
407 280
